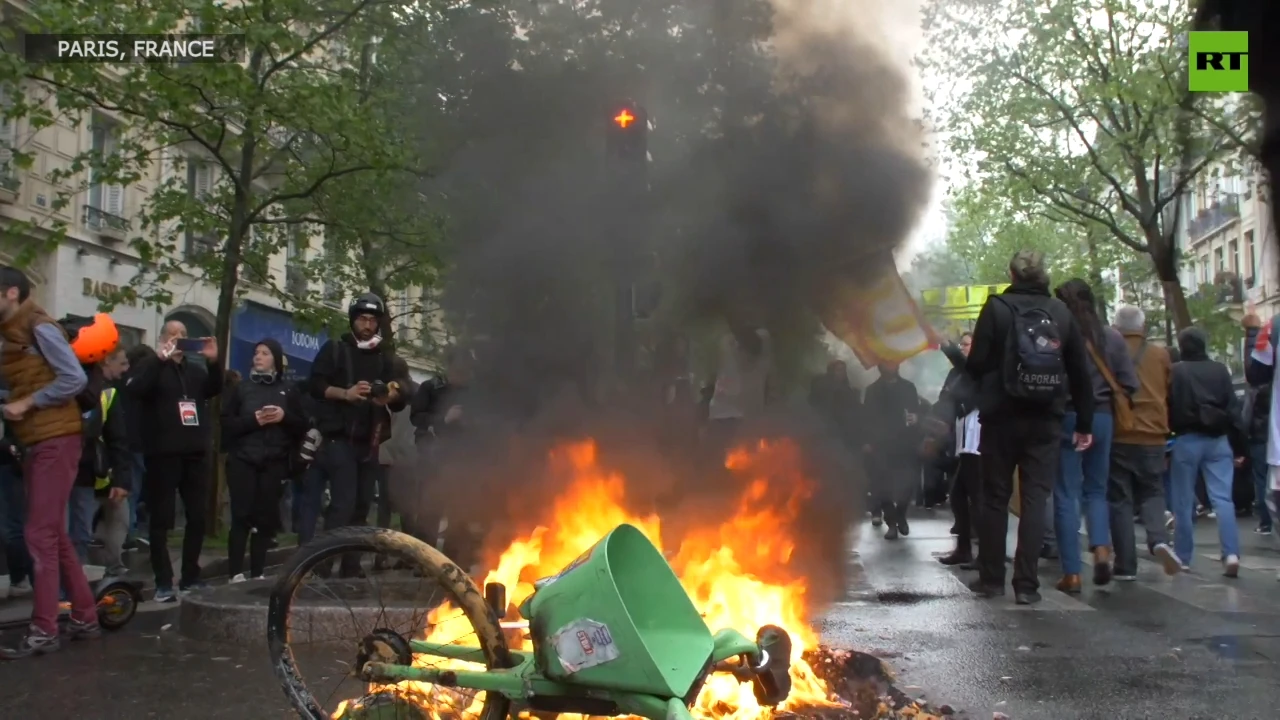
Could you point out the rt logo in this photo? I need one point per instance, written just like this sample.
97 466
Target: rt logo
1219 61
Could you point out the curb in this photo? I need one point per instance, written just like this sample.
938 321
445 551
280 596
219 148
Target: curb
214 570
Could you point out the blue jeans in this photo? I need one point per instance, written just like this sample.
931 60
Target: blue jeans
1082 485
1193 454
13 511
1258 468
80 511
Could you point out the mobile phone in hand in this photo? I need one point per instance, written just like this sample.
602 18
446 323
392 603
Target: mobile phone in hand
189 345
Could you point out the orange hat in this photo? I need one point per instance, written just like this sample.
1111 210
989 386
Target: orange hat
95 342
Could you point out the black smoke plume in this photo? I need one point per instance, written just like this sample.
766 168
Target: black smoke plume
782 168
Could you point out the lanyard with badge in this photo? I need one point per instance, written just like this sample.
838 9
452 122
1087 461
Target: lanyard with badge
188 411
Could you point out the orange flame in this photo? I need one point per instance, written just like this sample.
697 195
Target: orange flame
735 572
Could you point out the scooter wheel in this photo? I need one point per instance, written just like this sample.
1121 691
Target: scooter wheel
117 605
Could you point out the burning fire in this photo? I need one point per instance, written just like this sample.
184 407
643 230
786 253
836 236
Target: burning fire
735 572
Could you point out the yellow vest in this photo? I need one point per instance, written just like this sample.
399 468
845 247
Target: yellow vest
108 397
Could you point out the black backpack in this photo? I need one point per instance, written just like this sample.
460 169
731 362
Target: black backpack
1033 371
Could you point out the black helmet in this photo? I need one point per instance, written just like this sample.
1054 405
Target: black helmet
366 304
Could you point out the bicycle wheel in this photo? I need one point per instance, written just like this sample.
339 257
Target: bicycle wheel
311 613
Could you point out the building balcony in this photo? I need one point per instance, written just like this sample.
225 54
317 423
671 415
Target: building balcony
105 224
295 280
199 245
9 185
1228 289
1223 211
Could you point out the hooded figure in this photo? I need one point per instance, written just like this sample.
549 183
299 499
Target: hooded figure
262 423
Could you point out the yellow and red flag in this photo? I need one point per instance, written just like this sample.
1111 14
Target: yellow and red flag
879 321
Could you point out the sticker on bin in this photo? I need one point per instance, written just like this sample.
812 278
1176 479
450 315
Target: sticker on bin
583 644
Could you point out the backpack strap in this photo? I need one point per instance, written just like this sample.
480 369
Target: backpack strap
1101 363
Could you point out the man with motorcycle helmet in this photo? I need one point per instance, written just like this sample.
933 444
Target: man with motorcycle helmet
354 380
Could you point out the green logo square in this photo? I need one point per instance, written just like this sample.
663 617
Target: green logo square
1219 61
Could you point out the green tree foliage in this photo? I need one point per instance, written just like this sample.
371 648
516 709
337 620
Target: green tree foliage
236 159
1076 113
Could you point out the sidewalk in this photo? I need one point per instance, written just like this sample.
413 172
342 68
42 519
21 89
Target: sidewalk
213 566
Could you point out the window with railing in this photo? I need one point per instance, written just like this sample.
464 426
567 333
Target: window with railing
8 142
1234 256
200 242
295 260
332 289
105 207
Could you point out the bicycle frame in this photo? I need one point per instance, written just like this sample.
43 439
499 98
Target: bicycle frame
523 683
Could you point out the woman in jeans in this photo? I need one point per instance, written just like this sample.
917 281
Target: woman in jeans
1082 476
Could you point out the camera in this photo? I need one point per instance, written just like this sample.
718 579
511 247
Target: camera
378 390
310 443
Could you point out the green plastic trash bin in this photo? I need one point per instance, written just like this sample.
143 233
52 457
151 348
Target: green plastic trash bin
618 618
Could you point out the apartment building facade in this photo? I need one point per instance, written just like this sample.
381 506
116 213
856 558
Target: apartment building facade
95 259
1228 240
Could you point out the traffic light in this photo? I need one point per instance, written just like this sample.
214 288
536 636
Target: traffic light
628 133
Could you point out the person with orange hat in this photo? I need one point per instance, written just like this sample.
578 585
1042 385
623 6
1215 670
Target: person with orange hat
103 479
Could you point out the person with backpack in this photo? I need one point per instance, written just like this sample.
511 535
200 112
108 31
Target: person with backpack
173 393
1138 452
1081 486
1204 415
354 380
45 379
262 423
1027 349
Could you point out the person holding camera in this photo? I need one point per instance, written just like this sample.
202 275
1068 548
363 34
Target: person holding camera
172 389
262 423
354 380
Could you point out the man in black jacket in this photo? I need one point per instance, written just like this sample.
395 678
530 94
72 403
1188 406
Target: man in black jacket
173 393
354 379
1018 434
1205 418
892 407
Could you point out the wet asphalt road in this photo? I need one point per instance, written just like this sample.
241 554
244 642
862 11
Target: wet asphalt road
1196 646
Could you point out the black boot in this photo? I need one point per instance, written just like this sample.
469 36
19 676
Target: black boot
961 555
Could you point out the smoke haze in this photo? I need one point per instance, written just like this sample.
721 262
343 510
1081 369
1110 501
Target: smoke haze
756 221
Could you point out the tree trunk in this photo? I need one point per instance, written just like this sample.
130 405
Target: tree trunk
232 257
1166 267
1095 273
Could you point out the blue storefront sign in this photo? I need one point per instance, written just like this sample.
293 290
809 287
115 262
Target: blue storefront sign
253 323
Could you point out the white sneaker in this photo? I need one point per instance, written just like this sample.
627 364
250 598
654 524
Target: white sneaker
20 590
1168 559
1231 565
237 578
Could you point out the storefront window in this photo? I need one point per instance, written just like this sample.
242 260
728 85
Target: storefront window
130 337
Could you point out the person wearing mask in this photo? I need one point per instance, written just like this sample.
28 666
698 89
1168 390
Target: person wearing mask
353 380
1027 348
1259 371
262 423
1081 486
1204 415
1137 453
45 382
173 393
892 407
958 397
13 511
1257 418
